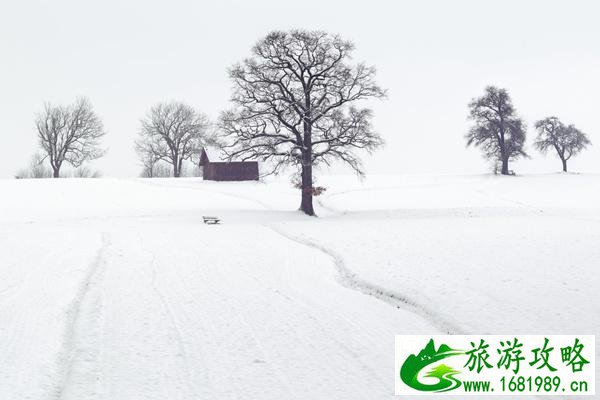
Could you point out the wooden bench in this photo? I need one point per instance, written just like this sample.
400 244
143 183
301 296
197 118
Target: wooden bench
210 220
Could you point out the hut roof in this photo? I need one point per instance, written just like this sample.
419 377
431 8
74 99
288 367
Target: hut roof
214 154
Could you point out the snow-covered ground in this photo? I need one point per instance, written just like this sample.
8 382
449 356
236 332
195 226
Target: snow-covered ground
115 289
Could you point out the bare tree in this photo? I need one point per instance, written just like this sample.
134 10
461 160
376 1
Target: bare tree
567 140
172 132
498 131
69 133
36 169
148 158
86 172
158 169
294 105
162 170
154 168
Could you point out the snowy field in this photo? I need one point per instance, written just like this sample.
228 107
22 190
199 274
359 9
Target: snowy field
115 289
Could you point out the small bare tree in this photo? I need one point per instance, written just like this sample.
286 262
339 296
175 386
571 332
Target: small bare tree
36 169
294 105
162 170
148 158
498 131
567 140
172 132
69 133
86 172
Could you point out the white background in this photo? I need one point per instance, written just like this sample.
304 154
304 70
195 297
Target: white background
433 56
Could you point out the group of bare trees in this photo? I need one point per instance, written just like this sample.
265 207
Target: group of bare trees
296 102
501 133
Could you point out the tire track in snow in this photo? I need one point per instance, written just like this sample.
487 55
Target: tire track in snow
350 280
75 358
179 337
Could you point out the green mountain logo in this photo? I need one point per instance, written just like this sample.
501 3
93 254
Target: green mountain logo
413 365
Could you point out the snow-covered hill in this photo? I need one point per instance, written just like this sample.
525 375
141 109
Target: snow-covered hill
115 289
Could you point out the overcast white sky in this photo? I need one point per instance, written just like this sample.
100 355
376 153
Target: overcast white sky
433 56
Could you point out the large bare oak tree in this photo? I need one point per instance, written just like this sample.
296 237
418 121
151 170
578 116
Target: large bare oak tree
498 131
295 104
69 133
172 132
567 140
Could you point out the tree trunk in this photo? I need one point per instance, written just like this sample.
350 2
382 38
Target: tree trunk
564 163
176 168
55 172
504 166
307 179
306 205
503 152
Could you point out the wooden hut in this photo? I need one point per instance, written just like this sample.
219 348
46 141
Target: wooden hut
227 171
